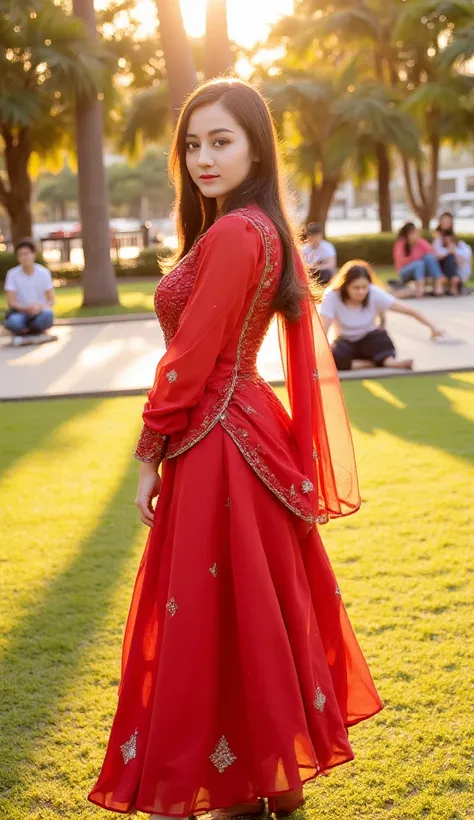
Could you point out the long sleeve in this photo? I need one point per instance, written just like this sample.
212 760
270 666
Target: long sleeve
227 269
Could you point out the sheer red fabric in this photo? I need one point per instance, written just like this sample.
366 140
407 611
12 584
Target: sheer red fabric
320 422
240 669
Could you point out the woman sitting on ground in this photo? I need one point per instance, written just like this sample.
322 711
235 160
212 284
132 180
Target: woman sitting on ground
353 301
415 260
455 258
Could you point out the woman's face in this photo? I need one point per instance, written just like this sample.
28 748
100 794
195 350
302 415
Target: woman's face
218 153
413 236
358 289
446 222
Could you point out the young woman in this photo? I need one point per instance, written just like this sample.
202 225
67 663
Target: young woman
455 258
414 260
354 302
240 669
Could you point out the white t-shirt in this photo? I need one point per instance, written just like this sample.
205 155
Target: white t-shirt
30 288
354 323
314 256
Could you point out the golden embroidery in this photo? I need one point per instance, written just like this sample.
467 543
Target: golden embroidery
150 446
323 518
319 700
227 503
338 590
288 497
315 375
222 757
315 454
307 486
219 408
214 569
172 607
172 376
129 749
251 410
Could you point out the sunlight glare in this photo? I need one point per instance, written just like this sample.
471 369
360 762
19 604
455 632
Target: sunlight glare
249 21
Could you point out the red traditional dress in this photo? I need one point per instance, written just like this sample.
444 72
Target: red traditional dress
240 669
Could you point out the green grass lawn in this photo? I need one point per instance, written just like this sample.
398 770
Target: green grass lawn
135 297
71 547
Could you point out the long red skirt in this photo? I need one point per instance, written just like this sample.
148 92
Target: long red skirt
240 668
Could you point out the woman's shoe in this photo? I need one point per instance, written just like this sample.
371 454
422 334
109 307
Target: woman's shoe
285 804
242 811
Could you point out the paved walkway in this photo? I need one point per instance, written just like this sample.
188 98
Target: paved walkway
120 357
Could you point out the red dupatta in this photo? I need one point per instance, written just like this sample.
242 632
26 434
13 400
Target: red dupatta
320 424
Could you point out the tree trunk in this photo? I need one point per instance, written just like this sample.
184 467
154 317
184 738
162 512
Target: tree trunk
421 205
180 68
99 282
218 55
320 200
17 198
384 173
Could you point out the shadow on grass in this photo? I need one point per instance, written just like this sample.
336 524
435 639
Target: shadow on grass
428 416
43 650
25 427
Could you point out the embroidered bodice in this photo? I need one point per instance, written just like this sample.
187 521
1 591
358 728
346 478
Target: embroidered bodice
215 309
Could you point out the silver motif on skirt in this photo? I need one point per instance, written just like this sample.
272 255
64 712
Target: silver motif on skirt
307 486
172 376
129 748
222 757
172 607
315 454
338 591
214 569
227 503
319 700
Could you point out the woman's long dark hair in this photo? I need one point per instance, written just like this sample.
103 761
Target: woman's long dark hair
355 269
196 213
404 233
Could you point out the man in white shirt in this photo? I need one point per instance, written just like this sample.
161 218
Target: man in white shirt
319 254
30 297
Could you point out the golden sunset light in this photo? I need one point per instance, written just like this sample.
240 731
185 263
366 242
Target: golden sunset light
248 21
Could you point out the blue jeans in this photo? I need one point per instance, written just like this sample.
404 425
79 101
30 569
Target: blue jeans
17 323
428 266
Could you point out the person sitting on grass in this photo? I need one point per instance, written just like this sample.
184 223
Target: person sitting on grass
30 295
455 258
319 255
353 302
415 260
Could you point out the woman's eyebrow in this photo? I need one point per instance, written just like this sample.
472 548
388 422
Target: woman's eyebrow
211 133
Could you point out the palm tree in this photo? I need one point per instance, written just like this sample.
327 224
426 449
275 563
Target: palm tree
99 282
45 58
180 67
218 56
333 132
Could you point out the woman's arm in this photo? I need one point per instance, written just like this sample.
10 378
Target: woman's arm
326 322
228 266
399 307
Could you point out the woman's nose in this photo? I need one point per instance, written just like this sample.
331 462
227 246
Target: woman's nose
205 157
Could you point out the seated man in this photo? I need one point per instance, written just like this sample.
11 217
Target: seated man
30 297
319 254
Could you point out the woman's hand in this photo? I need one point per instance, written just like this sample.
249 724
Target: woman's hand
149 485
436 332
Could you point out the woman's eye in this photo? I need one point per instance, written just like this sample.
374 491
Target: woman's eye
221 142
191 145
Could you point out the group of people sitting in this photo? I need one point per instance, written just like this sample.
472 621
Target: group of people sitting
355 306
447 259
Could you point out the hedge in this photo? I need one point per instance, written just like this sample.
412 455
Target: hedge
376 249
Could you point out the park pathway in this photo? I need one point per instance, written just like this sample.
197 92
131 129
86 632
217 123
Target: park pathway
121 356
